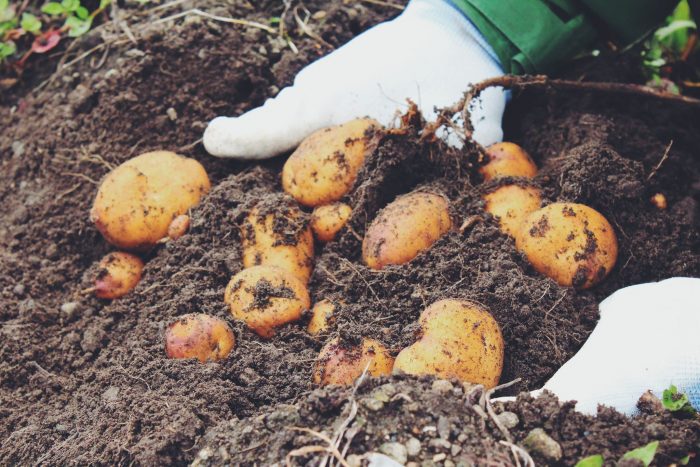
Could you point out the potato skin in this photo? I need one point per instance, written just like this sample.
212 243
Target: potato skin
460 340
118 274
321 317
137 201
199 336
571 243
281 238
266 297
324 167
507 160
328 220
179 227
512 204
342 365
404 228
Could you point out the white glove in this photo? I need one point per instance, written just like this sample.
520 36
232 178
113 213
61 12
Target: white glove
648 338
431 53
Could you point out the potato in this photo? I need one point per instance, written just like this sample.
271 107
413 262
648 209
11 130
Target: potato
404 228
571 243
118 274
659 200
460 340
281 238
178 227
321 316
138 200
507 160
324 167
199 336
341 364
266 297
328 220
511 204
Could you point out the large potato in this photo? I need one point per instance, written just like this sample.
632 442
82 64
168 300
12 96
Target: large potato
325 165
117 275
328 220
341 364
266 297
280 238
404 228
507 160
511 204
460 340
138 200
571 243
199 336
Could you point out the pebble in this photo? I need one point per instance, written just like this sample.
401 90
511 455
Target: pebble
19 289
448 463
539 442
439 457
354 460
439 444
442 386
60 428
171 113
508 419
373 404
69 309
455 450
443 427
413 447
396 451
17 148
111 394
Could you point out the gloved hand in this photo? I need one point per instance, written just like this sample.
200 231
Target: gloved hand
648 338
430 54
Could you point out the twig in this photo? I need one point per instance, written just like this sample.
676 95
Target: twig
190 146
382 3
83 176
309 449
304 26
223 19
518 451
663 159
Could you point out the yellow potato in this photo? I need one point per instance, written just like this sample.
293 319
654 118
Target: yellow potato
511 204
199 336
138 200
507 160
460 340
178 227
266 297
118 274
342 365
324 167
321 317
407 226
571 243
281 238
328 220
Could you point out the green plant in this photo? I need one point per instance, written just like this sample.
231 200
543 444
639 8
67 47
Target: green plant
676 402
591 461
78 18
645 453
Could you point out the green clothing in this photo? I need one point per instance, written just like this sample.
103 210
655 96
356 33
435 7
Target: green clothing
531 36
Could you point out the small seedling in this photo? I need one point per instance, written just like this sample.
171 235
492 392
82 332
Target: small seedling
676 402
591 461
645 453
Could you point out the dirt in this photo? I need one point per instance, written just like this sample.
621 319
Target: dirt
87 381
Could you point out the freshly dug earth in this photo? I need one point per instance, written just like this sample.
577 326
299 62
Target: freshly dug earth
83 380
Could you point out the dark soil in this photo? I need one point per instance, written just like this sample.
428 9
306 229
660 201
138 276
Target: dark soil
87 381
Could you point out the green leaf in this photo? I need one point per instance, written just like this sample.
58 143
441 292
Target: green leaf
6 49
77 27
7 13
675 402
678 25
104 4
7 25
685 460
4 4
645 453
30 23
82 12
53 9
70 5
591 461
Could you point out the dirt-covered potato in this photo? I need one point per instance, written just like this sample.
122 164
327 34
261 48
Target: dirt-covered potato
325 165
199 336
328 220
321 317
178 227
404 228
138 200
279 237
341 364
511 204
507 160
266 297
460 340
571 243
118 273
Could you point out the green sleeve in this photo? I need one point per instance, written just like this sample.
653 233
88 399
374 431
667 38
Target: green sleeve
531 36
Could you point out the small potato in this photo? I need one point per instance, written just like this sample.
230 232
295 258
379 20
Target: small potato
321 316
571 243
659 200
118 274
460 340
199 336
507 160
281 238
512 204
342 365
178 227
324 167
328 220
266 297
404 228
138 200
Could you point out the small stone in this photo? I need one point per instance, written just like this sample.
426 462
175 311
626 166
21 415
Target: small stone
92 339
412 464
111 394
448 463
413 447
19 289
508 419
442 386
354 460
455 450
439 457
319 15
69 309
439 444
111 73
52 251
60 428
540 443
134 53
17 148
373 404
443 427
396 451
171 113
